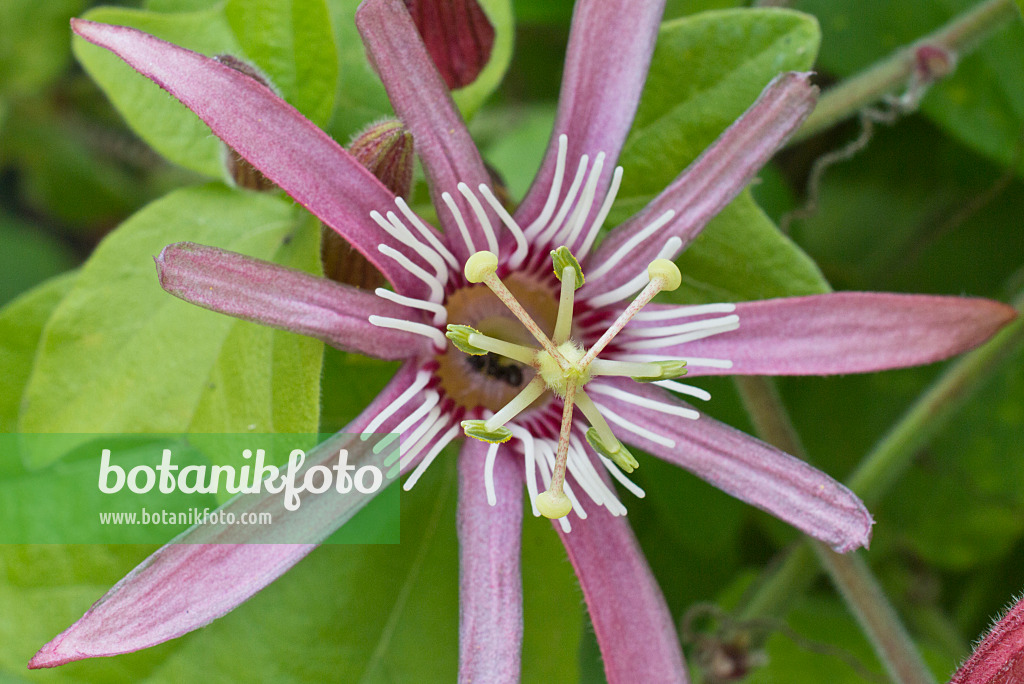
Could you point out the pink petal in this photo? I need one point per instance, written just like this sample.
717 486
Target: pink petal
421 100
631 620
712 181
271 134
285 298
845 332
606 62
192 581
748 469
458 37
999 658
490 582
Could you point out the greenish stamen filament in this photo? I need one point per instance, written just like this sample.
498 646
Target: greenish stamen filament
516 352
519 403
562 365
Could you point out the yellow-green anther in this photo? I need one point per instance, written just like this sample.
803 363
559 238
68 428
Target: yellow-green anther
561 258
477 430
669 370
459 335
617 453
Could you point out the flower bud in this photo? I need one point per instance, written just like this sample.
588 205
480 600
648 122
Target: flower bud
242 172
386 150
457 35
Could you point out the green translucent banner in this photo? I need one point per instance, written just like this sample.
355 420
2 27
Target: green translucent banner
199 489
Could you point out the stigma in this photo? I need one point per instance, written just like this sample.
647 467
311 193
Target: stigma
562 365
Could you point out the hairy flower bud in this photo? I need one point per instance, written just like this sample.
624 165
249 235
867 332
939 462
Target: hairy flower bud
385 148
245 174
458 37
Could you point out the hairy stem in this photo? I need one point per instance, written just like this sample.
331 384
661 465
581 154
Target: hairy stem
794 571
894 72
853 578
850 574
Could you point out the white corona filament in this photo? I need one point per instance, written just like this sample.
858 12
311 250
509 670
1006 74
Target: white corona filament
632 243
614 417
681 388
522 246
481 217
690 360
637 400
590 480
669 330
683 311
440 342
428 408
610 466
574 225
422 466
602 213
422 436
459 221
638 281
440 313
548 452
492 453
436 288
418 383
428 233
695 331
556 188
545 475
577 182
526 439
394 227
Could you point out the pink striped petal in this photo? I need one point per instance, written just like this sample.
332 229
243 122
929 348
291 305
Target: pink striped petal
490 582
749 470
999 658
845 332
198 578
421 100
271 134
606 62
288 299
631 620
710 182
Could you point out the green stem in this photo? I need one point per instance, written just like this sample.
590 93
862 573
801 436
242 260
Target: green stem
865 597
850 574
795 570
880 469
958 37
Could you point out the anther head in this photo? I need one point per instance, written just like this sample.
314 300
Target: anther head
552 505
481 265
664 269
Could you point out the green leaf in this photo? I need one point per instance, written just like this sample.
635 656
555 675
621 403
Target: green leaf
29 257
121 355
469 98
21 326
33 42
741 255
981 104
290 41
361 98
345 613
706 70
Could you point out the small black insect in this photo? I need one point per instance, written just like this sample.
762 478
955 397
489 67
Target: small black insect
491 365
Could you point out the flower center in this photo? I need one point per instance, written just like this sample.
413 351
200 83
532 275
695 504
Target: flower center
560 364
492 380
